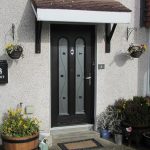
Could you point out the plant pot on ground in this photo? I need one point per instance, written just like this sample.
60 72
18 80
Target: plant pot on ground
118 138
103 124
105 133
19 132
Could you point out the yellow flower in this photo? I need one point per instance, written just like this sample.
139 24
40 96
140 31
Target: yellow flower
25 126
20 122
145 46
10 45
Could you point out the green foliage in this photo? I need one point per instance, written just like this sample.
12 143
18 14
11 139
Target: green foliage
137 112
111 118
120 104
15 124
134 112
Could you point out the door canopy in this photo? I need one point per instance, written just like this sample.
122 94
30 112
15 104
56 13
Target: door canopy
81 11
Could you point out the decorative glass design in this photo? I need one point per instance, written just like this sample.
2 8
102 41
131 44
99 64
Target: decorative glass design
63 76
79 76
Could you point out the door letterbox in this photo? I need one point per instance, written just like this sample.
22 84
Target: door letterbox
3 71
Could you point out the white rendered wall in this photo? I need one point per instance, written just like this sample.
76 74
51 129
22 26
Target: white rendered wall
29 78
122 77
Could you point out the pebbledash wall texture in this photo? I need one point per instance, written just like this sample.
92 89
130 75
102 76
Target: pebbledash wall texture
29 78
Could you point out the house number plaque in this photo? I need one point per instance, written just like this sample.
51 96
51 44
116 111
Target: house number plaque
3 71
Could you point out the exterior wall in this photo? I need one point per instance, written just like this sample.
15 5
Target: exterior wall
29 78
122 77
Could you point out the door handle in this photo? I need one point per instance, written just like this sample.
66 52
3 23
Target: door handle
89 79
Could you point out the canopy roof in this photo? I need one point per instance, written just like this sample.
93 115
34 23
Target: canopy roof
95 5
90 11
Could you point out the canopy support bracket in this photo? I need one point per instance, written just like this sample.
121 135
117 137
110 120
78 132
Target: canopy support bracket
109 33
38 30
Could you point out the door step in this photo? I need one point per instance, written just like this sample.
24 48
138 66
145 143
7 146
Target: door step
77 132
74 136
71 129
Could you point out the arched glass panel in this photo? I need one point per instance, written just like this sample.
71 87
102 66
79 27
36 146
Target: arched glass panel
79 76
63 76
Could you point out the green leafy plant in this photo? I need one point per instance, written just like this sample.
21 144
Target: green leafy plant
16 124
137 112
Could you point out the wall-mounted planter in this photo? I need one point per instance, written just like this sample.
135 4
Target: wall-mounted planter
14 51
136 54
15 54
136 51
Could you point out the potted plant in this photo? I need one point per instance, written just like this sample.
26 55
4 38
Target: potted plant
146 134
137 116
19 132
103 123
116 127
14 51
117 111
137 112
136 50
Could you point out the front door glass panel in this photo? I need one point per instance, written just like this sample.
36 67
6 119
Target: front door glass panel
79 96
63 76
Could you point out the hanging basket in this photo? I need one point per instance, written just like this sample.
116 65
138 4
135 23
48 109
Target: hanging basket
136 51
136 54
21 143
16 54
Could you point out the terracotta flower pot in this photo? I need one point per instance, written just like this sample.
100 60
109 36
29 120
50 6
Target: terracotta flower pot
21 143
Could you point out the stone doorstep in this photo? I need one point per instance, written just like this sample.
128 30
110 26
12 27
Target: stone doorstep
71 129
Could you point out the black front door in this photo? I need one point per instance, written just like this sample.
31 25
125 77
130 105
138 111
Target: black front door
72 74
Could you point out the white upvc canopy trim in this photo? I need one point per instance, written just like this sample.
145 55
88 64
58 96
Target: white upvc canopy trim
82 16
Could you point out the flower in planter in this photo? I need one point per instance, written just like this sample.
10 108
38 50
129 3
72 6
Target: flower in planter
136 50
14 50
18 131
16 124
